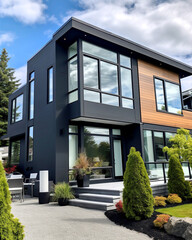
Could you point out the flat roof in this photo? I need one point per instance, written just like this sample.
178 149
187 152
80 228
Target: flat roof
74 23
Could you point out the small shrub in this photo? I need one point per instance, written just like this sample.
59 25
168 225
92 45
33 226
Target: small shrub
160 201
176 182
119 206
174 198
63 190
138 200
161 220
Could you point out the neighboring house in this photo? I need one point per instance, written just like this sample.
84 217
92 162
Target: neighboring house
4 155
187 99
90 90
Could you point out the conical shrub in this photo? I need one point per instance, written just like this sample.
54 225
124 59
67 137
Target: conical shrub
137 193
10 227
176 182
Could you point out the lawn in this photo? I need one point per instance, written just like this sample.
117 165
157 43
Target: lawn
179 211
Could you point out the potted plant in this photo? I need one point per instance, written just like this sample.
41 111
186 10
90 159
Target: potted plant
82 170
63 193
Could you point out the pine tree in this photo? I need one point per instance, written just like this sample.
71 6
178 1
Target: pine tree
8 84
137 193
10 227
176 182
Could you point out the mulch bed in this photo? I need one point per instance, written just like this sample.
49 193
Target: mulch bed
144 226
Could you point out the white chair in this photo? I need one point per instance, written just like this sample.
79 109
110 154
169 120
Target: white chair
16 187
15 176
31 181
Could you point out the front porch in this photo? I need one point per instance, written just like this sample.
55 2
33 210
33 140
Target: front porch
104 196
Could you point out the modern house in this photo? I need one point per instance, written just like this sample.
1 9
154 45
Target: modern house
90 90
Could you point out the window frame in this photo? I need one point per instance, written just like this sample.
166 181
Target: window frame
29 96
119 66
165 95
48 85
28 135
13 111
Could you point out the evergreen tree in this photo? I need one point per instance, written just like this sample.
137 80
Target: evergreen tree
176 182
10 227
8 84
137 193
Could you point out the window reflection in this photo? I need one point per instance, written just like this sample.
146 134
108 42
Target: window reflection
91 96
159 144
72 50
125 61
148 146
30 144
72 65
99 52
50 82
109 81
126 83
110 100
173 98
17 109
90 67
15 152
127 103
73 96
160 94
31 110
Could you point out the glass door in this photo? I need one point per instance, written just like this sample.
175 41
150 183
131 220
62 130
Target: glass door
117 152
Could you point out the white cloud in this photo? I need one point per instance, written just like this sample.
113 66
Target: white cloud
165 26
6 38
21 74
26 11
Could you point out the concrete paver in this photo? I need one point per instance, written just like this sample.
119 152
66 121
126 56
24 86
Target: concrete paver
53 222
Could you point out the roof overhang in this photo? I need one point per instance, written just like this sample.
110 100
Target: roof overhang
74 28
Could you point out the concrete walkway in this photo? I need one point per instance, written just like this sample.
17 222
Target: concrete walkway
53 222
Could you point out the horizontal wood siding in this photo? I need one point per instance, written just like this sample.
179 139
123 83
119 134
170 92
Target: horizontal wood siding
149 113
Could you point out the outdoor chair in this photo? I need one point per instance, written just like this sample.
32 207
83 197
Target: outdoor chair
31 181
16 187
16 176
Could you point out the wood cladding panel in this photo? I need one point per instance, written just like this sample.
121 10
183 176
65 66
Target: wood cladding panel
149 114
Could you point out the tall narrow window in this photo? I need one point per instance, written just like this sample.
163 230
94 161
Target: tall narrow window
15 152
159 89
30 144
50 84
17 109
31 95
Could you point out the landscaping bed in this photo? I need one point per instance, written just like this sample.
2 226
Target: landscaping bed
144 226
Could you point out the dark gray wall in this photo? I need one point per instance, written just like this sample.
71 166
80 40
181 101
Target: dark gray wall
44 114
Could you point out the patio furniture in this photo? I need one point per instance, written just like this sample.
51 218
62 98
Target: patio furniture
16 176
16 187
31 181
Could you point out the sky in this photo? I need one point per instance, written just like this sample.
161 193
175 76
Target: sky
162 25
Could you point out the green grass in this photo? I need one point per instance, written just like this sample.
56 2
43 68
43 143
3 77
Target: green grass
179 211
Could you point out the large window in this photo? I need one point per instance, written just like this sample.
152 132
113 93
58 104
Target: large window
30 143
15 152
72 73
107 76
31 95
168 96
17 109
50 84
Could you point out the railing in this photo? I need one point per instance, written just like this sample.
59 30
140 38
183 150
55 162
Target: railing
158 171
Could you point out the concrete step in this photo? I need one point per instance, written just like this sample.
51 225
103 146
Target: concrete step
79 190
92 204
160 190
99 197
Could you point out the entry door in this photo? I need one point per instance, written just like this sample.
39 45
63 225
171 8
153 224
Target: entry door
117 150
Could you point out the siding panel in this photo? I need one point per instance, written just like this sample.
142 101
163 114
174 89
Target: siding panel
149 113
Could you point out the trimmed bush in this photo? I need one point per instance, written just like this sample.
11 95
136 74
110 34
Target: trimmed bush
119 206
160 201
176 182
137 194
174 198
10 227
161 220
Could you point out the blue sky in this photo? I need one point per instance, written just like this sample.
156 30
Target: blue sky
164 26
